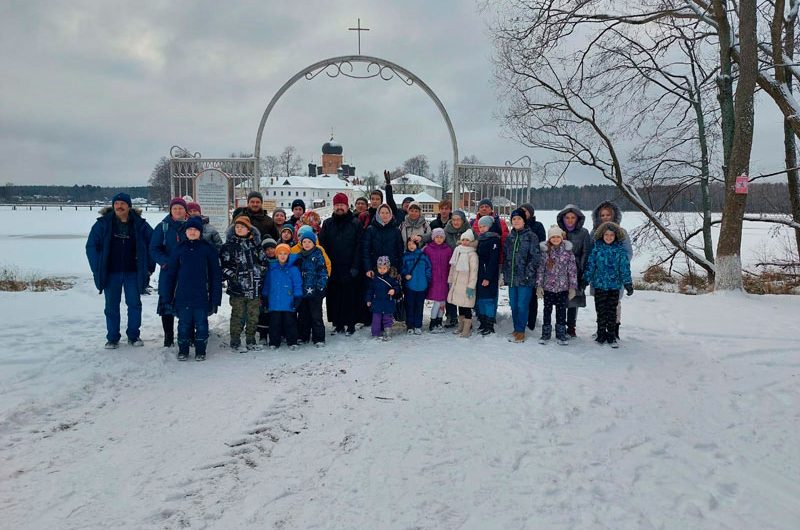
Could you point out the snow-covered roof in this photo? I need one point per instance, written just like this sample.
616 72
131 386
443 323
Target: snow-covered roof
327 183
423 197
410 178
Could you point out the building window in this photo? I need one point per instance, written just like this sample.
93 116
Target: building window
304 194
281 193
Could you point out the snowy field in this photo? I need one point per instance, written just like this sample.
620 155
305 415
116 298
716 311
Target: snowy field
694 422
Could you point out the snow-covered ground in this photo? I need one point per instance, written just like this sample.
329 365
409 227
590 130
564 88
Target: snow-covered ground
692 423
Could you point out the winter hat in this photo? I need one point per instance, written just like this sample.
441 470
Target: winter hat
486 221
281 210
383 261
307 234
269 243
340 198
486 202
288 227
415 204
468 235
122 196
519 212
362 199
407 199
243 220
193 206
255 194
300 203
555 230
461 214
302 230
283 247
194 222
179 201
437 232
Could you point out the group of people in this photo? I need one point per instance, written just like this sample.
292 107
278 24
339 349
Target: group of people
372 265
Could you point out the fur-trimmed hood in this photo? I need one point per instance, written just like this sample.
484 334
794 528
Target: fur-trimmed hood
577 211
606 204
105 209
619 232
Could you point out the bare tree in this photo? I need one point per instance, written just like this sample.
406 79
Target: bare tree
444 176
418 165
160 186
289 162
471 159
270 165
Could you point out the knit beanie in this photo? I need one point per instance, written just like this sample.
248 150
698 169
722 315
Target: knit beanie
269 243
193 206
194 222
519 212
255 194
468 235
383 261
303 230
437 232
340 198
555 230
281 210
122 196
486 220
415 204
179 201
307 234
283 247
486 202
461 214
407 199
300 203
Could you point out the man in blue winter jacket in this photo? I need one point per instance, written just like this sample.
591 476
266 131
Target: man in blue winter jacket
117 250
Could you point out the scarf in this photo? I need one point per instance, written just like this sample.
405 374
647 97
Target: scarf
460 258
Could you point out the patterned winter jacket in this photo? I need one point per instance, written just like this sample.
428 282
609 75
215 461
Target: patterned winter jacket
439 255
378 293
560 274
242 264
418 266
608 268
313 272
283 284
521 258
626 241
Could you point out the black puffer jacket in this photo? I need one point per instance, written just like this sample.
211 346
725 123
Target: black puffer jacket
582 243
340 235
381 240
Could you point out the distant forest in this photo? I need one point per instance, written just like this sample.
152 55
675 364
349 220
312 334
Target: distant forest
763 197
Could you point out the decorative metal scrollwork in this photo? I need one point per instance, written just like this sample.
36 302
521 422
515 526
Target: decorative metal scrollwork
523 157
345 68
177 151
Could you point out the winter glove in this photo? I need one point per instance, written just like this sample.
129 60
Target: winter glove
571 294
470 292
629 288
297 301
539 292
387 177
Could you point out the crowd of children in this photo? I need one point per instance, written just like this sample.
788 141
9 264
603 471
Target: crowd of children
276 287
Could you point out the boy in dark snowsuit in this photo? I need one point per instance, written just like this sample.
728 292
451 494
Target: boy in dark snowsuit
315 280
192 286
268 245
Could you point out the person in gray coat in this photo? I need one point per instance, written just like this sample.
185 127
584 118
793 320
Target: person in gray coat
608 211
571 220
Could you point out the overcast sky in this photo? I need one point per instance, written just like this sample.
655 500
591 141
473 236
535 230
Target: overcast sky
96 91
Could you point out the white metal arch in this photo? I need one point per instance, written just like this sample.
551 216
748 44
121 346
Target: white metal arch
343 65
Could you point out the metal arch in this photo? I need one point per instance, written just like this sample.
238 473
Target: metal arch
386 70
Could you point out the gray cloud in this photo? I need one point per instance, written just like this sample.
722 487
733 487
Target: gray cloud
95 91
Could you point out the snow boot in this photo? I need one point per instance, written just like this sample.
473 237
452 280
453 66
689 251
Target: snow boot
460 326
350 331
451 322
467 329
169 340
616 331
488 328
613 343
601 336
561 335
547 330
570 332
183 351
111 345
200 350
517 337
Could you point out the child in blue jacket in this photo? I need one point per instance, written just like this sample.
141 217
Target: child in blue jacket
608 270
315 282
192 288
283 288
416 273
382 291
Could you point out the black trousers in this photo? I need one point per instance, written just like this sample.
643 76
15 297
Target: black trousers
282 324
533 311
605 303
559 300
342 302
465 312
451 311
572 316
168 323
309 320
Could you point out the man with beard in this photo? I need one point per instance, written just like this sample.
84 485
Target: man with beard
341 235
117 249
258 216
